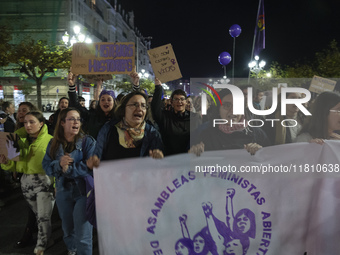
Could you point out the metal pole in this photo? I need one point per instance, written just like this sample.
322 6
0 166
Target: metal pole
233 59
137 55
252 50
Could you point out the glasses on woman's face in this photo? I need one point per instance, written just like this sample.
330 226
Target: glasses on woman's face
136 105
74 119
227 105
336 111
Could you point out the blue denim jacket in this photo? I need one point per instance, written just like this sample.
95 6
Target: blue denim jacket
84 149
151 141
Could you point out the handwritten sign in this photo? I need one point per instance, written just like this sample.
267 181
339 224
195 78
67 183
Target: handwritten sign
320 84
103 58
3 147
164 63
94 78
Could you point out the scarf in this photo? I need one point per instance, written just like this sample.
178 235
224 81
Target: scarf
130 137
235 127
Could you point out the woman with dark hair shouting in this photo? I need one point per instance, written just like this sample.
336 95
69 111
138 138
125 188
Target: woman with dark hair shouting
65 159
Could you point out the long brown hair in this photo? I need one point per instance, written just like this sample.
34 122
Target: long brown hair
31 106
59 136
317 124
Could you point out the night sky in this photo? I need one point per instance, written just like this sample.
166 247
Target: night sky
199 30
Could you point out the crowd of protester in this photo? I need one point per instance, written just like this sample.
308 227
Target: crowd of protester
132 125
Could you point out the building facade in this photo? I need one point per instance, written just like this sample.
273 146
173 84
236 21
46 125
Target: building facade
99 20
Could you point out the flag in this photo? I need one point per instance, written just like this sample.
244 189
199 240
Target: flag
260 30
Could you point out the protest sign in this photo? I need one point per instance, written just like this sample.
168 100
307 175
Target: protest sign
5 145
287 205
94 78
164 63
320 84
103 58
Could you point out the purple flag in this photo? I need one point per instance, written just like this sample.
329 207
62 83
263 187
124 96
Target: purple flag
260 30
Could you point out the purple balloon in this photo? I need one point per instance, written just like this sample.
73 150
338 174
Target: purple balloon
235 30
224 58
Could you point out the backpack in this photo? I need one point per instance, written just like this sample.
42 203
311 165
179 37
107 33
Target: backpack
90 196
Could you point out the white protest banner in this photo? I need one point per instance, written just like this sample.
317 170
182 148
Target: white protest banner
164 63
213 204
320 84
103 58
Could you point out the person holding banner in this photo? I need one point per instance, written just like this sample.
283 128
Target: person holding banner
325 119
128 135
35 184
65 159
174 125
280 134
227 135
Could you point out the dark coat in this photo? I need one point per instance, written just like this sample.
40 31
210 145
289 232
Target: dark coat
214 139
151 141
9 125
174 128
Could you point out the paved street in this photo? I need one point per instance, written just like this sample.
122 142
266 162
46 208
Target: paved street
12 223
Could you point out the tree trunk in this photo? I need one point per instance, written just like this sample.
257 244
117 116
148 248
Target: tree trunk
39 83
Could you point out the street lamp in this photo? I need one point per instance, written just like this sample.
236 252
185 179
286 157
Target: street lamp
224 80
76 37
256 66
143 74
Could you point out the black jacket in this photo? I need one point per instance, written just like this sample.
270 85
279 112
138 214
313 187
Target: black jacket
214 139
9 125
174 127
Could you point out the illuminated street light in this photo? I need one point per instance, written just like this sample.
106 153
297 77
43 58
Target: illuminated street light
76 37
165 87
76 29
255 66
143 74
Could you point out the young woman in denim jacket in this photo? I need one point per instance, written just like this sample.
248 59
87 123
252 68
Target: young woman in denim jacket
65 159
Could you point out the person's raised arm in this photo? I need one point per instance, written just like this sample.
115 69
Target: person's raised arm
229 209
215 235
98 90
135 79
156 103
184 228
72 94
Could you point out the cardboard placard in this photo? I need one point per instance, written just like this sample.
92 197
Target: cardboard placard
164 63
103 58
3 147
320 84
93 78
